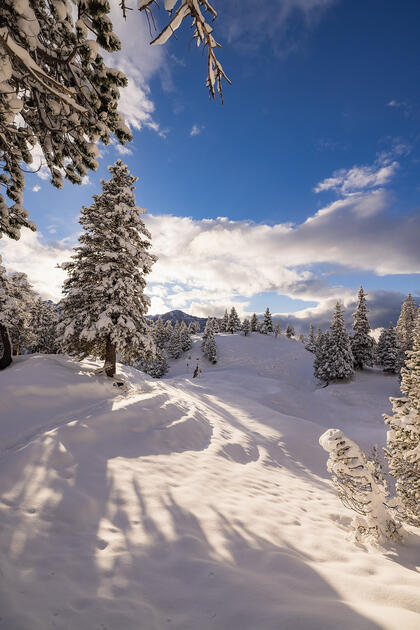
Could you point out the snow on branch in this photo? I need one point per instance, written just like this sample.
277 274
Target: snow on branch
203 34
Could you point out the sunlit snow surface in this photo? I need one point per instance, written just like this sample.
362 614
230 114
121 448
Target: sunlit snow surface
187 503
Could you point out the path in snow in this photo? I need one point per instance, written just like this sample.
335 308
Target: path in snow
192 504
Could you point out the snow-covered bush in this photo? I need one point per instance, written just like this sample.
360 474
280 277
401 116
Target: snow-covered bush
277 330
155 365
360 488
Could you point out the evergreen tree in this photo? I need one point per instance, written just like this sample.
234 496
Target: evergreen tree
361 341
209 346
246 327
311 345
403 439
225 322
406 323
24 296
186 341
168 330
290 331
7 307
301 338
155 365
104 307
333 356
234 323
194 328
318 336
159 333
175 345
388 350
254 323
54 78
277 330
44 320
267 324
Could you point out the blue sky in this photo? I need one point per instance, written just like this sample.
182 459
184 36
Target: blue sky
325 97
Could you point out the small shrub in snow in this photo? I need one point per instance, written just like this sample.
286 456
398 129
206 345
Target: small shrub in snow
360 488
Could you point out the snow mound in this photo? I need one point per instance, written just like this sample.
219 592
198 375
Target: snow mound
190 503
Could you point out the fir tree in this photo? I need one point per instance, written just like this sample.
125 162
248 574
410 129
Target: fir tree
254 323
168 330
103 311
361 341
234 323
21 332
403 438
301 338
7 307
290 331
225 322
311 344
406 323
185 337
175 345
333 355
277 330
155 365
209 346
267 323
388 350
159 333
44 320
246 327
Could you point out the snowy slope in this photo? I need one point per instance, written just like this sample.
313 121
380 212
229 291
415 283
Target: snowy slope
187 503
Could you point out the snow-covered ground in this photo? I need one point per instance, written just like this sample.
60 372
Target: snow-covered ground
187 503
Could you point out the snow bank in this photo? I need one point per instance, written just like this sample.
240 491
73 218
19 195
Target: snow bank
190 503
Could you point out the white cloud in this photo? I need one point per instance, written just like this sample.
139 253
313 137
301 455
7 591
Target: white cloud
123 150
357 178
206 265
195 130
36 188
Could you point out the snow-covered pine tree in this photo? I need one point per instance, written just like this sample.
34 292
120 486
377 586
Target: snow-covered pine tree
361 341
215 325
333 355
234 323
403 437
311 344
290 331
168 330
254 323
277 330
104 308
159 333
301 338
7 308
186 341
209 346
155 365
388 350
225 322
44 320
174 344
359 487
193 328
24 296
318 336
246 327
406 323
267 323
54 78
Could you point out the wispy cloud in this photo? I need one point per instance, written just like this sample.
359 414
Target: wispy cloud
36 188
195 130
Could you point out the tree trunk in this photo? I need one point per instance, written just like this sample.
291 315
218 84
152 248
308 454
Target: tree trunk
110 357
6 359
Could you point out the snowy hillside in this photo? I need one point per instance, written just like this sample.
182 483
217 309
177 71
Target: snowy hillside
193 504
